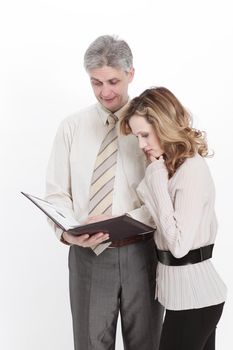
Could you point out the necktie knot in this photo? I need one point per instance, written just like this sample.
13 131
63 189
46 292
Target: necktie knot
112 119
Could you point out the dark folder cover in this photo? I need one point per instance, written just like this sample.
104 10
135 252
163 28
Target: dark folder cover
118 228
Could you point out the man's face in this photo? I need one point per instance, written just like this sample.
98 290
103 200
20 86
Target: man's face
110 86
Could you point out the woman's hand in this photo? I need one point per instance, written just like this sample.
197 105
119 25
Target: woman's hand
155 159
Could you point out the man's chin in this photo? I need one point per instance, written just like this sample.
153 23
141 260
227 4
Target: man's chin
111 106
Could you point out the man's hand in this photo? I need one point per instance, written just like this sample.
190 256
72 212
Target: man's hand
97 218
86 240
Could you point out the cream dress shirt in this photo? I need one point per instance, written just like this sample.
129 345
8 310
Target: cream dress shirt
72 161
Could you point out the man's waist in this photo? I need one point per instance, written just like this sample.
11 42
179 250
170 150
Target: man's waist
132 240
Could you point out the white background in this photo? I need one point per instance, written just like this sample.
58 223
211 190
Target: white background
183 45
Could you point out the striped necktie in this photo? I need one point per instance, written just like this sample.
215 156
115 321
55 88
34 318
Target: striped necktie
101 190
102 183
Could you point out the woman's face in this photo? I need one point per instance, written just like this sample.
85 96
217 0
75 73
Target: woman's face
147 138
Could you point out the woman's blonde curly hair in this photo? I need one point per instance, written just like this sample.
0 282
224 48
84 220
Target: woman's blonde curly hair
172 124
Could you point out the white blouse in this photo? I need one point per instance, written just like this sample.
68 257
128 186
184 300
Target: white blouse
183 210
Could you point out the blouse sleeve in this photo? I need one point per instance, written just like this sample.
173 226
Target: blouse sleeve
179 217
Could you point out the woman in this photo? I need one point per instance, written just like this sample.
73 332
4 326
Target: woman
179 193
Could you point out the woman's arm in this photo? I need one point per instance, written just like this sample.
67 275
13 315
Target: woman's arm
180 217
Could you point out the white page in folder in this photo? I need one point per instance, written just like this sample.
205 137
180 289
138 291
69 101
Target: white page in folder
67 221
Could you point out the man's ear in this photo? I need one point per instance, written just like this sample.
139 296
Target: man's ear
131 74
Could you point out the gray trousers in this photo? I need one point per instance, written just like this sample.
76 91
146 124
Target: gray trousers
118 280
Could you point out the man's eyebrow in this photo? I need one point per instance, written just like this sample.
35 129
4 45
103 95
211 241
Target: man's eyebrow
109 80
92 78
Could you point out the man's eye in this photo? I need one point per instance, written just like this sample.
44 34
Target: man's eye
96 83
145 135
113 82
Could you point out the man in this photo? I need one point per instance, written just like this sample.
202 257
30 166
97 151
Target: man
118 278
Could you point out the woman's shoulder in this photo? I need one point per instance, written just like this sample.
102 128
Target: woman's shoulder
193 168
197 162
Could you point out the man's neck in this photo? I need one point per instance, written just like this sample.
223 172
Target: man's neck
117 110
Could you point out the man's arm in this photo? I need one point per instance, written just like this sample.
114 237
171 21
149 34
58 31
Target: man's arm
58 186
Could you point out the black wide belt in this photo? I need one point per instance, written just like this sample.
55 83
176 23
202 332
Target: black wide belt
193 257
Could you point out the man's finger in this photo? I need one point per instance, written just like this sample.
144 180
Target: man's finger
87 240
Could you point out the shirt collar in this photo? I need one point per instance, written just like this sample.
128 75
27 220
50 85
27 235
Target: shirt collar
104 112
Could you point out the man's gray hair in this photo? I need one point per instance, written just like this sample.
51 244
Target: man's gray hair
109 51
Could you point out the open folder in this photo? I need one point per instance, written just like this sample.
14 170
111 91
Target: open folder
118 228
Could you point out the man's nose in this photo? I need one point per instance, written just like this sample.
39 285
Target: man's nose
106 91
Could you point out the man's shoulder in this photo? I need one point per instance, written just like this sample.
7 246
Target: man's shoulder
86 112
79 121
